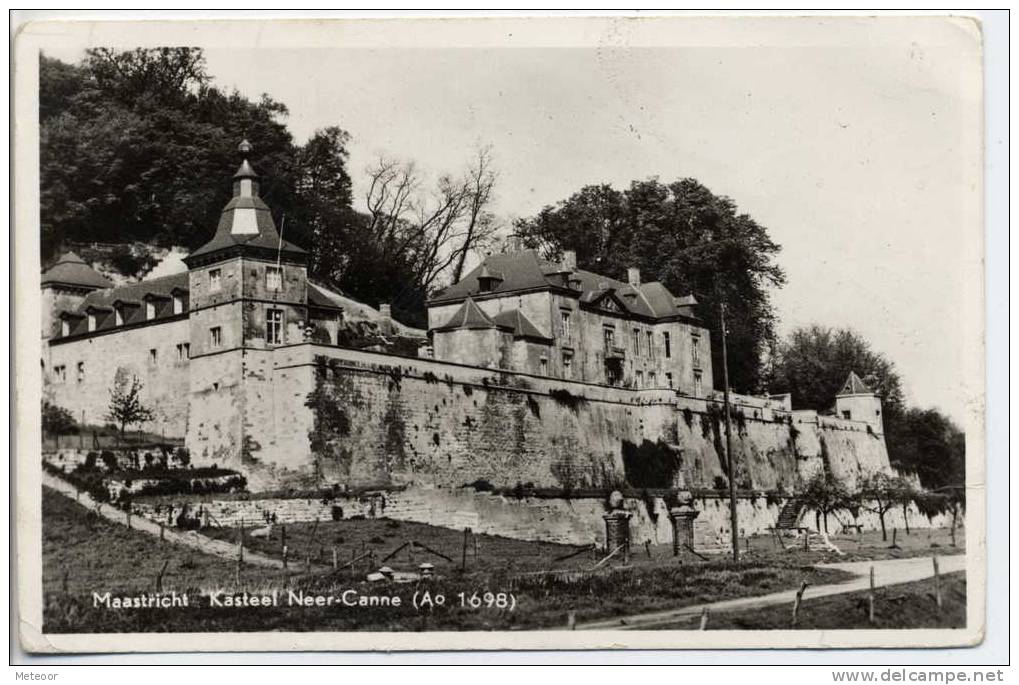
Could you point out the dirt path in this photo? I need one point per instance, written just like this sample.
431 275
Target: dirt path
886 572
195 540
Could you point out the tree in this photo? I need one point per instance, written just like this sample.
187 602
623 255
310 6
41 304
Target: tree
126 406
927 443
881 492
57 421
825 495
682 234
814 361
433 230
138 146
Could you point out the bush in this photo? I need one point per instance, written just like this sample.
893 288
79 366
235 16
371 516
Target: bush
721 483
57 420
481 485
109 460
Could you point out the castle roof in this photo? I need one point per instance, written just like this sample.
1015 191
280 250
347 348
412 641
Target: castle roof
854 386
468 316
522 327
103 303
70 269
246 222
525 270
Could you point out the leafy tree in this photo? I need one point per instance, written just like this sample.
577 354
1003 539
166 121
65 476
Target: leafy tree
825 494
685 236
881 492
126 407
813 362
57 421
929 444
138 146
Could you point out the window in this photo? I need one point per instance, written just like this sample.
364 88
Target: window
544 366
150 310
697 384
91 322
668 345
65 327
651 344
153 356
274 277
695 350
640 379
214 281
610 339
81 372
668 377
215 337
651 379
636 342
846 415
567 366
178 304
183 351
118 314
565 318
60 373
274 326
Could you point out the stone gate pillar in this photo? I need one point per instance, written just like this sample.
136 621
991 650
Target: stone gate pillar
682 517
617 526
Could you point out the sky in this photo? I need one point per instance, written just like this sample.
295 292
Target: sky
856 149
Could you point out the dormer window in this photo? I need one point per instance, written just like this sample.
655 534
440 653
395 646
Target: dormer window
215 281
488 281
91 322
150 310
65 328
178 303
118 316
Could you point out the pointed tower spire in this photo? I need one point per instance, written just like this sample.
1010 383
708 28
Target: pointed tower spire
246 221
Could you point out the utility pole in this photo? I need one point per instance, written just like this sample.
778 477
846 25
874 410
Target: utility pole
733 519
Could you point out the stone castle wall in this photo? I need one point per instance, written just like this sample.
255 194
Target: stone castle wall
566 521
317 414
165 382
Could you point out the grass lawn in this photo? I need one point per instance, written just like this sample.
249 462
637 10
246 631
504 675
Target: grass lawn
909 605
866 547
100 556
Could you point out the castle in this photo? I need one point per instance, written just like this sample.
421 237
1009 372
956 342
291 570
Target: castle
530 372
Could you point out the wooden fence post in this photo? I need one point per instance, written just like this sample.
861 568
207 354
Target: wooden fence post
284 556
705 614
571 621
937 583
895 535
796 602
162 531
240 544
870 597
463 558
159 576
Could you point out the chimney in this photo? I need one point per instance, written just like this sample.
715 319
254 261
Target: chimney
633 277
569 260
386 311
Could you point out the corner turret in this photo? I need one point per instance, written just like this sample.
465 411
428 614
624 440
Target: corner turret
857 402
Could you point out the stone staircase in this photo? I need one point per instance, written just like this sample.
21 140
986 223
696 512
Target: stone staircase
789 517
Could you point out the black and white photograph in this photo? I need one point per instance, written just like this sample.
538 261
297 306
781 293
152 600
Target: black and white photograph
504 333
